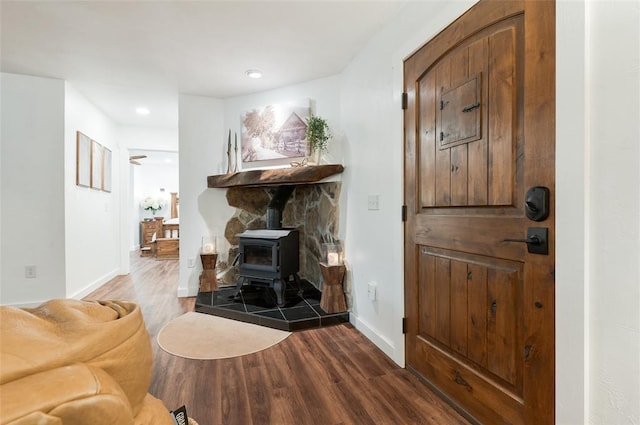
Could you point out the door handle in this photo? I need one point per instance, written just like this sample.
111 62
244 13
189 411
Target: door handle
537 240
532 240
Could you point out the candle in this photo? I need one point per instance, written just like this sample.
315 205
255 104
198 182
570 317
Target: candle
229 142
333 259
208 248
236 137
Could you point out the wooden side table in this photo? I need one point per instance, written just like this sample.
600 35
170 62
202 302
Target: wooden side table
208 281
332 300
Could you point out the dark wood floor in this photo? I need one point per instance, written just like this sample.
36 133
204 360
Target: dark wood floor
324 376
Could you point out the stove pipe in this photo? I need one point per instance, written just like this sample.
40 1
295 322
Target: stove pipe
276 206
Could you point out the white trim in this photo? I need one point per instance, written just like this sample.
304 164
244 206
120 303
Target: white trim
379 340
95 285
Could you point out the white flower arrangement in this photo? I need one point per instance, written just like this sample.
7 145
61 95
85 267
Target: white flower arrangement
151 204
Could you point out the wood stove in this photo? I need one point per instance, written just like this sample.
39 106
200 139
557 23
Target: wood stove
269 256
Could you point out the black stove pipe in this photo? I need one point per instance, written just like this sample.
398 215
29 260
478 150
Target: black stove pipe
276 206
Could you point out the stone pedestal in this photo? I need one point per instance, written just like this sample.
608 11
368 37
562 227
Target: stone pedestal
332 300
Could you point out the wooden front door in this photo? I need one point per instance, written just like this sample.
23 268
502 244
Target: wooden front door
479 132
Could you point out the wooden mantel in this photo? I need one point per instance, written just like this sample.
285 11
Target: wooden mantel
275 177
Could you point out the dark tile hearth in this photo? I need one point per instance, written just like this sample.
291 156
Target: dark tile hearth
257 304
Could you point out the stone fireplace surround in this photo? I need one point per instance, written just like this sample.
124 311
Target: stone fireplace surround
312 209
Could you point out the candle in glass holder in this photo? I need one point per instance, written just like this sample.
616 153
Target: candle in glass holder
332 253
333 259
208 245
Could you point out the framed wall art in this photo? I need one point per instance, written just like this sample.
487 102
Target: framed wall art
97 154
106 170
275 132
83 160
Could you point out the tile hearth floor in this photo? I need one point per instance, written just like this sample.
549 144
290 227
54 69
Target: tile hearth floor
257 304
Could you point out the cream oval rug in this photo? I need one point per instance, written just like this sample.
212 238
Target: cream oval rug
202 336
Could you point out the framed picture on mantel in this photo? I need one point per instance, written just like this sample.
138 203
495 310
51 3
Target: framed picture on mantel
275 132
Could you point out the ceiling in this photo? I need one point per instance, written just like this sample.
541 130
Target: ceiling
125 54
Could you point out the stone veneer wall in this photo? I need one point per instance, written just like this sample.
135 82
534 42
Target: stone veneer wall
312 209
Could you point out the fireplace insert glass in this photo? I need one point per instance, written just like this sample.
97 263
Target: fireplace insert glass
259 254
269 256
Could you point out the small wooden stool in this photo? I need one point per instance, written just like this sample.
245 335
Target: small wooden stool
332 300
208 281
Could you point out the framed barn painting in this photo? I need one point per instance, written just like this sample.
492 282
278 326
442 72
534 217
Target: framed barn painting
275 132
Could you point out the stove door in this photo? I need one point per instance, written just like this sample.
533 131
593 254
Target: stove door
259 255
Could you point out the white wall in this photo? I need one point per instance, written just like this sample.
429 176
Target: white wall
598 199
32 117
613 90
201 130
93 217
71 234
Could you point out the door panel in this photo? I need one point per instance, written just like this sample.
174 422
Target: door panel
478 132
473 302
450 87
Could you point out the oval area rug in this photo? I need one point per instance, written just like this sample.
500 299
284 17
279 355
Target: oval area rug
202 336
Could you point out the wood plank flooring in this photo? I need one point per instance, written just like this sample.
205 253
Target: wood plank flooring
326 376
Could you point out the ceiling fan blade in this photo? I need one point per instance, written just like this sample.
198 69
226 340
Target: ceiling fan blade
131 161
137 157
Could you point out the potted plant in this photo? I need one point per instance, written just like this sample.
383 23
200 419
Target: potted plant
317 135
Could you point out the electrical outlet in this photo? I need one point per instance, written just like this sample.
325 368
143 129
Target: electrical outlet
373 202
372 291
30 272
191 262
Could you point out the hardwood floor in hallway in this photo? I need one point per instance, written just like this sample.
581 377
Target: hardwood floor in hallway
324 376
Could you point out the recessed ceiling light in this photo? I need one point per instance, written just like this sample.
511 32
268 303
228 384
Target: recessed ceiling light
142 111
254 73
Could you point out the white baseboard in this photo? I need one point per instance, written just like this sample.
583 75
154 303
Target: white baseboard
95 285
383 343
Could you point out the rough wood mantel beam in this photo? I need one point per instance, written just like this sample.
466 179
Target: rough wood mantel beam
275 177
